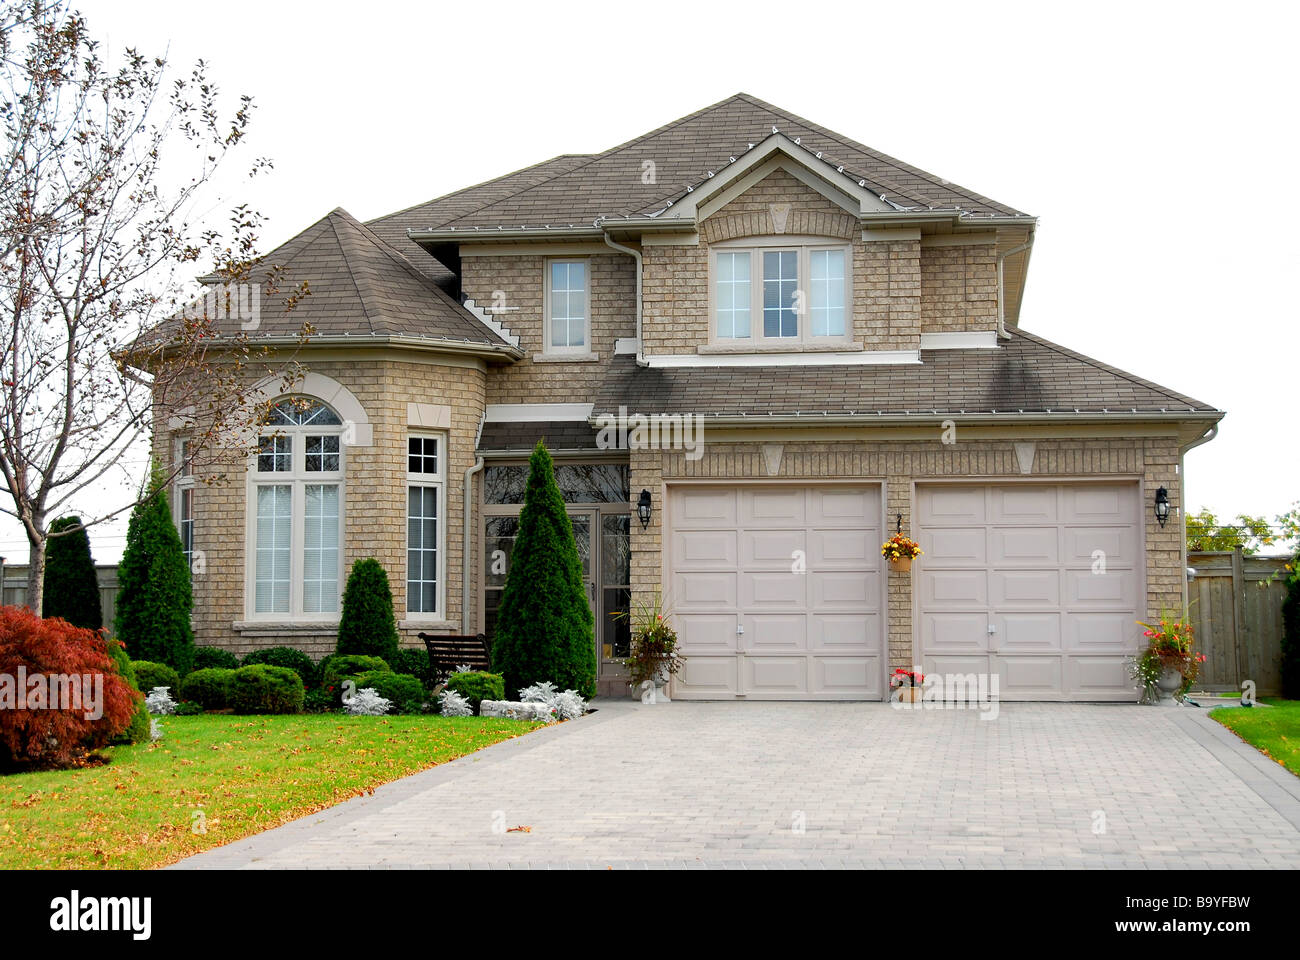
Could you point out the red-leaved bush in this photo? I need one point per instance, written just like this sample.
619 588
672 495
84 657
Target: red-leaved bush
60 692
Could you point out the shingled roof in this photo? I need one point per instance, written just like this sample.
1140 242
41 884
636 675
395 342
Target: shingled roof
360 286
1027 374
579 189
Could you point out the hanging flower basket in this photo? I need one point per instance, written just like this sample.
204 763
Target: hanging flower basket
900 551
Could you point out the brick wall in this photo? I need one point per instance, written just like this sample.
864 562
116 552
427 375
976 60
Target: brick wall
522 280
959 288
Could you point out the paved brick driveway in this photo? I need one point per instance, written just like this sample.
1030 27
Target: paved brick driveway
807 784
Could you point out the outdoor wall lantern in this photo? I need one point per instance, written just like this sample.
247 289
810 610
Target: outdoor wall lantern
643 509
1162 505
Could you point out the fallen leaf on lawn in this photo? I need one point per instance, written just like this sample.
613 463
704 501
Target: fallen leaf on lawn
513 829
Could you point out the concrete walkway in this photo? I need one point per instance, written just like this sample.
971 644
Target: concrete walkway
773 785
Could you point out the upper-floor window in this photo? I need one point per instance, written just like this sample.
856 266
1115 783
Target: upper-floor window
183 502
567 302
797 291
296 511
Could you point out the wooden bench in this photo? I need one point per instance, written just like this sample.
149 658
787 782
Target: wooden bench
447 652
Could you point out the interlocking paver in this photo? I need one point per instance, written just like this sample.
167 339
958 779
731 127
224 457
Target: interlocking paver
781 785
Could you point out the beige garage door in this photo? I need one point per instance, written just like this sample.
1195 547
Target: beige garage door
775 591
1039 584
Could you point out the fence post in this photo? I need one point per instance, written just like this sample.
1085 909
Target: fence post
1241 633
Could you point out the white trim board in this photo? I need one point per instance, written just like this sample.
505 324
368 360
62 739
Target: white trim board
537 412
961 340
810 359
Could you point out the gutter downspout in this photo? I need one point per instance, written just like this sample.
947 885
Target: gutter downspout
635 255
1002 309
1182 476
467 535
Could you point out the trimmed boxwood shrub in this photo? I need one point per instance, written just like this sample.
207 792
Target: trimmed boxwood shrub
35 733
367 625
262 688
209 687
414 662
149 675
405 691
477 686
295 660
208 657
335 669
139 729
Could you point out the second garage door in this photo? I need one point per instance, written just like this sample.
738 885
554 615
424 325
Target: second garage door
775 591
1039 584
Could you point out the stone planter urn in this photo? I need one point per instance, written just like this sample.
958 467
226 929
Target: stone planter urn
1167 685
900 564
653 691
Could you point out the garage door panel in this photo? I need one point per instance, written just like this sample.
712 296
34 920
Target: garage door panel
952 506
702 507
706 678
955 666
843 633
703 592
1105 591
773 507
1025 588
1099 632
842 549
836 590
847 677
1099 678
856 506
1030 678
1025 545
948 589
775 633
775 676
1119 545
1099 503
704 550
954 633
1023 504
945 547
772 591
772 549
706 632
1026 633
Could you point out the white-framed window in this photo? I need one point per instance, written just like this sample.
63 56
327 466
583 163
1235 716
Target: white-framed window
183 499
568 320
781 291
425 525
296 513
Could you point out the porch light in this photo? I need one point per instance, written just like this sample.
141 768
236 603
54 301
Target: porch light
643 508
1162 505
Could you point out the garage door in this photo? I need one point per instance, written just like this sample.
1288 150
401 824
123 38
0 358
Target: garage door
1039 584
776 591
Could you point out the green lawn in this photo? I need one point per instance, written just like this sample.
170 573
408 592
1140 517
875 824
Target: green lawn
246 774
1274 732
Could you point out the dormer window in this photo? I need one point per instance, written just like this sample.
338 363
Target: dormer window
798 290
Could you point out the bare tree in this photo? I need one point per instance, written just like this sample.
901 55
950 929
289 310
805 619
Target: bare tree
103 168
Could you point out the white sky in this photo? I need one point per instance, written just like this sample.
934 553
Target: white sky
1155 142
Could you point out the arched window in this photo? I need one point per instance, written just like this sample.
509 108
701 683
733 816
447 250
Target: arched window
296 512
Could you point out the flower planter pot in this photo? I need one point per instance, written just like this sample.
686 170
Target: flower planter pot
910 694
1168 684
901 564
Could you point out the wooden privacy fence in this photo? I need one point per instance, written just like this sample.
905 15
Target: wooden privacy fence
15 587
1237 615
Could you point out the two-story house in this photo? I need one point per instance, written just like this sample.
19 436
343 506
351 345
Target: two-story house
834 338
